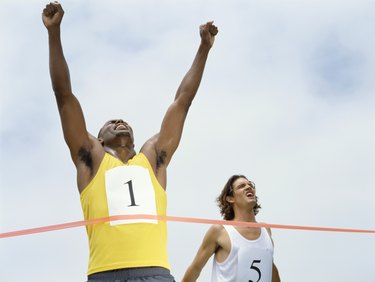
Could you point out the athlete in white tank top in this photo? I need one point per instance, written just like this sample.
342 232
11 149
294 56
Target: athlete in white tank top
248 260
243 253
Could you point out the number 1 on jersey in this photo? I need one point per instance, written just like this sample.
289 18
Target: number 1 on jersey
130 184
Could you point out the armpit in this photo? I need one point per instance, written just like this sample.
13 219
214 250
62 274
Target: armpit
160 158
85 156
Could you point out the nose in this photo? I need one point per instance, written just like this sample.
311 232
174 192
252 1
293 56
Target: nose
119 121
249 187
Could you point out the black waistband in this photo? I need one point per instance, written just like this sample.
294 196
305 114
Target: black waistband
126 273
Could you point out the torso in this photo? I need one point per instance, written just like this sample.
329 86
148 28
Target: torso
85 174
224 242
244 254
142 243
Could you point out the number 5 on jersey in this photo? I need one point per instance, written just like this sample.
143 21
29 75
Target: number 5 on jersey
255 268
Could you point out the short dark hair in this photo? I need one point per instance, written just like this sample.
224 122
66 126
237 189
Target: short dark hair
226 209
99 133
100 130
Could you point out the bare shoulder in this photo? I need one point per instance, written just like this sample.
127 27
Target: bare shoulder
149 148
216 231
223 242
156 157
89 162
97 149
217 228
213 234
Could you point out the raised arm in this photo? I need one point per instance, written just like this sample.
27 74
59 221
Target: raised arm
206 250
190 83
166 142
71 115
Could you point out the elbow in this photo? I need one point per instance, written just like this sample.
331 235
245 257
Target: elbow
59 90
185 96
60 98
63 98
184 103
61 86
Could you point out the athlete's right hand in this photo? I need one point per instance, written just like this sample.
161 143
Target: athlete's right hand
208 32
52 15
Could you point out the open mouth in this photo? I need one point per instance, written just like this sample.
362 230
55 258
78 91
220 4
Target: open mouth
250 195
120 127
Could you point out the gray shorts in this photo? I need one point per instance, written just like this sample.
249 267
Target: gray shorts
137 274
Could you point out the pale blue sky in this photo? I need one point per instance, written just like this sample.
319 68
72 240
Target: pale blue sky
287 99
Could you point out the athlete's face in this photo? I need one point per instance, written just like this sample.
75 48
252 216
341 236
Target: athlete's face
116 128
243 191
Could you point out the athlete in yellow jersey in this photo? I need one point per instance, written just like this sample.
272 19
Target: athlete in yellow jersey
112 179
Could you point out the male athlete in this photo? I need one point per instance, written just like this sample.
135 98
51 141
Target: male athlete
113 179
241 254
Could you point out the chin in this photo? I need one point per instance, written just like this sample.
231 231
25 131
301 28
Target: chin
123 133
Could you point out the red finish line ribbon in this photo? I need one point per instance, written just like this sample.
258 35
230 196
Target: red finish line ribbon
176 219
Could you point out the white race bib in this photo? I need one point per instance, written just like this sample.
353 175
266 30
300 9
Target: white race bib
130 191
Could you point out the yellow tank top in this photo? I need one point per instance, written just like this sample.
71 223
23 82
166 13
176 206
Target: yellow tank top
119 188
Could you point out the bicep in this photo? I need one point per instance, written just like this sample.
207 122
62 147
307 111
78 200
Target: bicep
207 249
171 129
73 125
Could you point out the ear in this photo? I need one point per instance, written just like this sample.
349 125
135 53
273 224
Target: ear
101 141
229 199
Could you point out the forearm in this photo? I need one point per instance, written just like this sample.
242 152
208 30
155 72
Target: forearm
190 83
191 274
58 67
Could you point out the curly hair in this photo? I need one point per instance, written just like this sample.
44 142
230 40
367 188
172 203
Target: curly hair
226 209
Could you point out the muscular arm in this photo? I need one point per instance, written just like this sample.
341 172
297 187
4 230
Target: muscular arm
205 251
166 142
71 115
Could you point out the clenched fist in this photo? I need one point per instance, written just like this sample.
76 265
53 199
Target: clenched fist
52 15
208 32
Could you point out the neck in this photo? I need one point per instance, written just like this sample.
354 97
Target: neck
121 153
244 215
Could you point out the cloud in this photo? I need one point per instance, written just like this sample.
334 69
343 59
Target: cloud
286 99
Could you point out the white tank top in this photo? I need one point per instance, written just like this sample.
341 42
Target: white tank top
248 260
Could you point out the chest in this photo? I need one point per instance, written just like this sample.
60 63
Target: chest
249 233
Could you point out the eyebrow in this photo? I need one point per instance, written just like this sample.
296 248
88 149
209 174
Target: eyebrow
243 184
239 185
